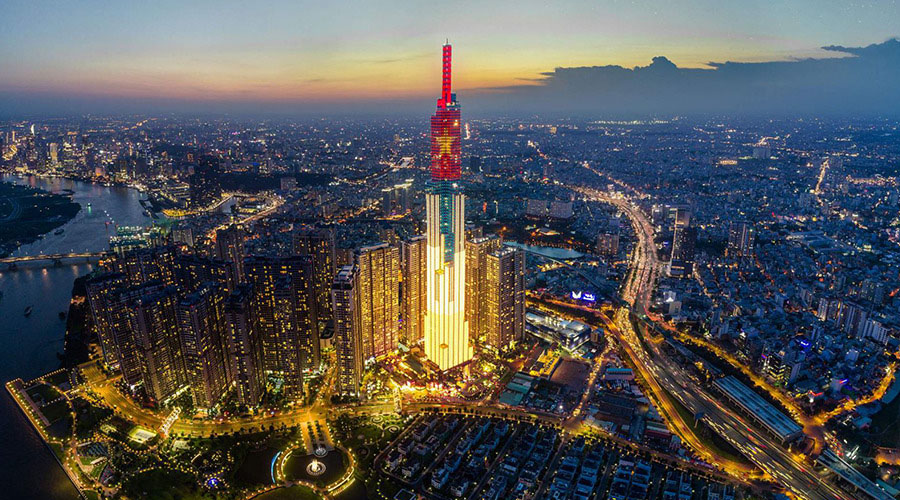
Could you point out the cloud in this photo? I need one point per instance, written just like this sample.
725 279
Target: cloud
855 81
864 82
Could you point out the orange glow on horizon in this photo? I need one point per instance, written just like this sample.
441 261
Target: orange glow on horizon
278 76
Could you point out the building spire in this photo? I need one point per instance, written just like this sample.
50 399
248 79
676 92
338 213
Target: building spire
446 88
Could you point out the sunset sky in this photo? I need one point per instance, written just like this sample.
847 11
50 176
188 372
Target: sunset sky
324 51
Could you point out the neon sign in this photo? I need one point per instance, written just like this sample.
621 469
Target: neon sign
579 295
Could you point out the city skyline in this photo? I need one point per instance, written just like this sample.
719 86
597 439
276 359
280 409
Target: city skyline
239 260
296 58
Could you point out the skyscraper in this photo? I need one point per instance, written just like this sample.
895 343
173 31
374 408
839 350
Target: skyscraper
683 244
201 325
387 201
608 244
414 289
192 271
155 327
379 292
149 264
285 317
347 338
504 297
741 238
230 247
243 349
446 331
291 319
101 295
477 250
121 322
318 243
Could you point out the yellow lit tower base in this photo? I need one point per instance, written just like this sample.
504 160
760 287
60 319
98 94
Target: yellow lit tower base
446 329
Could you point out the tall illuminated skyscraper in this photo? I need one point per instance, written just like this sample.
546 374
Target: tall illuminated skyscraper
446 330
477 251
379 291
243 346
230 247
412 264
154 326
102 297
319 244
285 317
347 335
201 323
503 320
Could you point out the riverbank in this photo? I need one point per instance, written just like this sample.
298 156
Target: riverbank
27 213
34 345
39 414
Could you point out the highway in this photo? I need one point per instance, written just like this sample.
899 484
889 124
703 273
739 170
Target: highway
791 470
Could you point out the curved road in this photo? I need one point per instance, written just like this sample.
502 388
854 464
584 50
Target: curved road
791 470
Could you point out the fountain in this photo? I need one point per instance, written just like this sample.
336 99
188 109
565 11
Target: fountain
315 468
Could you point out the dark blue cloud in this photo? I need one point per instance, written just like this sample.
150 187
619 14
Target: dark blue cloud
864 81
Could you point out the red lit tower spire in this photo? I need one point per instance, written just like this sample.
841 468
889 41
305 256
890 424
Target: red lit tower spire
445 130
446 87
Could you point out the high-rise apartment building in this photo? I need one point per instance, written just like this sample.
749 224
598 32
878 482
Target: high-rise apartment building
148 264
477 251
683 244
285 317
201 321
446 331
243 347
413 289
741 236
121 323
154 324
379 292
347 335
290 323
102 297
230 247
608 244
318 243
504 293
192 271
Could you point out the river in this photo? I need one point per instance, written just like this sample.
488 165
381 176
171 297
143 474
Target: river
29 345
549 252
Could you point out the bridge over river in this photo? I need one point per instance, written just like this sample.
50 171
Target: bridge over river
57 259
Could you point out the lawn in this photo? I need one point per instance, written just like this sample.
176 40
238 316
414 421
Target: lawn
377 434
61 377
56 411
89 416
42 393
162 484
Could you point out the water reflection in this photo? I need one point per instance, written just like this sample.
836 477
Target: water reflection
29 345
